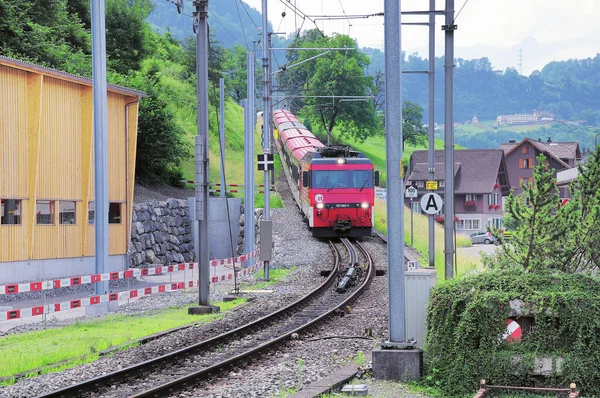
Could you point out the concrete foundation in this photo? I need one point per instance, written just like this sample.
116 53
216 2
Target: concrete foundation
101 308
203 309
40 270
397 364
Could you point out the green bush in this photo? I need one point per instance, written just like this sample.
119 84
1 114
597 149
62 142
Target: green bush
466 319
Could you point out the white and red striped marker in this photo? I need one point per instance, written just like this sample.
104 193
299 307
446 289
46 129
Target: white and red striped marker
103 298
15 288
513 331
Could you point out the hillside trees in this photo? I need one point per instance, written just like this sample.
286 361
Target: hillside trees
336 74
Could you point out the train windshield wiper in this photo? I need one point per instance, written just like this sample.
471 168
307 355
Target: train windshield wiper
364 185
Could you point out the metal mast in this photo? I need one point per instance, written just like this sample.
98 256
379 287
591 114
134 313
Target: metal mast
100 141
449 28
266 116
395 190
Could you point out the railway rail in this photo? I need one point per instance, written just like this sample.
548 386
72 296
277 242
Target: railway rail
190 366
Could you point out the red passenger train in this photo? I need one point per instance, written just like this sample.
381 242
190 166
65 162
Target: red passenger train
333 185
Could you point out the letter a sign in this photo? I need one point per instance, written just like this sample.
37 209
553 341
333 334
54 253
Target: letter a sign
431 203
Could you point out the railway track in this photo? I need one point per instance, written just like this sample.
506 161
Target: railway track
187 367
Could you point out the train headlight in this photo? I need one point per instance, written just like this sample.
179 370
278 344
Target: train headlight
319 205
341 160
364 205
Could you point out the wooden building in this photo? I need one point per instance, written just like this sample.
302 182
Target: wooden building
47 172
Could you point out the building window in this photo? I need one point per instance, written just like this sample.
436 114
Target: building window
66 212
526 163
524 149
496 198
470 198
469 224
91 212
490 199
10 211
44 212
420 184
114 213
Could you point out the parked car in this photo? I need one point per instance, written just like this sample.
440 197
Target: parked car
482 237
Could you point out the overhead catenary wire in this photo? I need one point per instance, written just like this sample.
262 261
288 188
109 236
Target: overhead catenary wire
225 29
241 24
459 11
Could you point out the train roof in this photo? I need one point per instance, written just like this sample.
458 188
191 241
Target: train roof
300 146
293 133
290 125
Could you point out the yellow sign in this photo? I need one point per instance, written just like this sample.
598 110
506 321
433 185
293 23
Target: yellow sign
431 185
402 168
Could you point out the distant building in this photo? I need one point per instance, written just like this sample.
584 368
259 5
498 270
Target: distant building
525 118
480 182
521 158
475 120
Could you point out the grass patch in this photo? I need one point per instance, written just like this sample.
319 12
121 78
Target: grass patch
82 342
421 238
275 275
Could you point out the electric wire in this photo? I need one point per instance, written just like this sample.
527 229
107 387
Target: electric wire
247 13
225 29
459 11
241 24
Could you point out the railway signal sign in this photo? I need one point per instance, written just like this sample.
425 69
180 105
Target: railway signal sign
267 164
411 192
431 185
431 203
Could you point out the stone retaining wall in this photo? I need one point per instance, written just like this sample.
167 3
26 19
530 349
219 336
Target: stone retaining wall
161 233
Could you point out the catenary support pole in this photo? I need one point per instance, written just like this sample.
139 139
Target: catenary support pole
100 142
449 28
222 133
201 159
431 124
393 133
267 131
249 159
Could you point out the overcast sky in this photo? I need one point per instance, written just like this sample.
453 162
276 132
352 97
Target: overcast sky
545 30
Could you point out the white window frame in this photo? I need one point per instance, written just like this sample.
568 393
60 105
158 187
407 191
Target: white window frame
420 184
467 224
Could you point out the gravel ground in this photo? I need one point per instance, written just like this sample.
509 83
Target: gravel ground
313 356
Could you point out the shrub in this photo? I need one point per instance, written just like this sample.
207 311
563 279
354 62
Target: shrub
466 319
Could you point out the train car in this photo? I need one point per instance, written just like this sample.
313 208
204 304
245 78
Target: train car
332 185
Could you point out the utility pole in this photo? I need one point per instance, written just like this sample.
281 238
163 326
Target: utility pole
449 28
395 191
249 110
266 125
201 157
431 117
100 142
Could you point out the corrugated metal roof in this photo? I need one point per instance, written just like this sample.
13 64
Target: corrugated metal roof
27 66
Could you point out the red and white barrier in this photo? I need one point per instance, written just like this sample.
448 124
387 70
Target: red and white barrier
513 331
103 298
15 288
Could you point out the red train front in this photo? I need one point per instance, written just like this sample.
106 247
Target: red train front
334 186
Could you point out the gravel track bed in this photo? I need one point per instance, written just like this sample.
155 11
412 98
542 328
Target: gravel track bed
297 364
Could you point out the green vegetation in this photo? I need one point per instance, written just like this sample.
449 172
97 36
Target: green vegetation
547 275
83 341
336 73
464 263
275 275
466 320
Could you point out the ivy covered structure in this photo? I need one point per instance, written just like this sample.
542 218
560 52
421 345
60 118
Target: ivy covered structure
545 279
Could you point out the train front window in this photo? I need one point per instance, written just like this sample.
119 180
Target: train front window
329 179
362 179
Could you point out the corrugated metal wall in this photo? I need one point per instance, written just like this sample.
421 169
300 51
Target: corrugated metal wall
46 152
